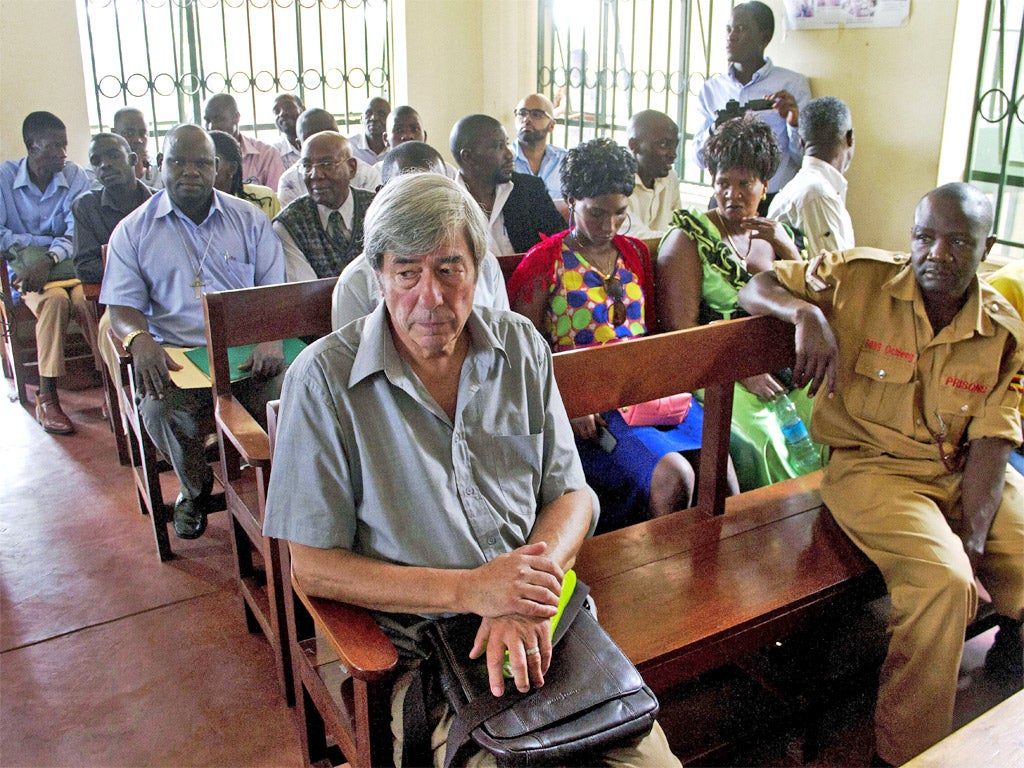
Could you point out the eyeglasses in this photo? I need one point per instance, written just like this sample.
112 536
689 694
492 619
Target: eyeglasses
536 114
323 165
179 164
613 287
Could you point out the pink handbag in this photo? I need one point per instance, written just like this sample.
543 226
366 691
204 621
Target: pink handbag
664 412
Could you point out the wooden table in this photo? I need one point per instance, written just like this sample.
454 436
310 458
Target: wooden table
994 740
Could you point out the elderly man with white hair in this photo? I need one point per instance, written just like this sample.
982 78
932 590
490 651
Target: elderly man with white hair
432 415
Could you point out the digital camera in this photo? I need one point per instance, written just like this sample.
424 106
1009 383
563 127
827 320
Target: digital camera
734 109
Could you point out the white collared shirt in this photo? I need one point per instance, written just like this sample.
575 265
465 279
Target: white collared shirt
650 210
815 203
497 238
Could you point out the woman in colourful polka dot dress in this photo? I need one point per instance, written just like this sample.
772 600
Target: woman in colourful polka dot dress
589 285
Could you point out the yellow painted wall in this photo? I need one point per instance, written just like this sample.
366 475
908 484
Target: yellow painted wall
464 56
895 82
454 57
41 69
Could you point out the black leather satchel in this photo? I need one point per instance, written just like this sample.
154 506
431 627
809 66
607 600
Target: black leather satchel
592 699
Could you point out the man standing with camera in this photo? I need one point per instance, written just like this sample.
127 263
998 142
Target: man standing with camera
752 78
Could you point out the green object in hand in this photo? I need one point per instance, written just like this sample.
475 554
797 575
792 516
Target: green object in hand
24 258
568 587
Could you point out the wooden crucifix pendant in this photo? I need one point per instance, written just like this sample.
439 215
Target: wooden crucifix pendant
197 286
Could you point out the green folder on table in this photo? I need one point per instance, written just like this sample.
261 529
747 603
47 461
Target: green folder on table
238 355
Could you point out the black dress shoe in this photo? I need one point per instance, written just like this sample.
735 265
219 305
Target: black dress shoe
1004 661
190 514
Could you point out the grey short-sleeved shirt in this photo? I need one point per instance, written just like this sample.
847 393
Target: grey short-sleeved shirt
365 459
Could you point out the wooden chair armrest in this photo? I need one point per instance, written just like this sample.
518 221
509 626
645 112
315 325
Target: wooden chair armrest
115 341
363 648
92 291
243 431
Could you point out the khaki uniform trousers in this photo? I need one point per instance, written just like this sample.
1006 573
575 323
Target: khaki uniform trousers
651 751
52 308
904 515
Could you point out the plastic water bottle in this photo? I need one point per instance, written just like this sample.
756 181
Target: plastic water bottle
803 454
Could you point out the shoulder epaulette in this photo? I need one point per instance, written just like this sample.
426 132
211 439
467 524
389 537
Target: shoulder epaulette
1000 311
875 254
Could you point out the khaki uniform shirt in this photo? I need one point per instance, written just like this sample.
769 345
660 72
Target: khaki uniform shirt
1009 281
887 349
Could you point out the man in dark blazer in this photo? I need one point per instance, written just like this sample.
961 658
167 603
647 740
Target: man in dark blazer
517 206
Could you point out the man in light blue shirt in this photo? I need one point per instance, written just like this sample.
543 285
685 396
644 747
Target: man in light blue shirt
752 76
187 240
36 193
534 125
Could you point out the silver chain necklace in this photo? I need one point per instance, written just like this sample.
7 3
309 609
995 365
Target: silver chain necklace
197 265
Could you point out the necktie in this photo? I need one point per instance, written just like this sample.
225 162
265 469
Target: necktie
337 231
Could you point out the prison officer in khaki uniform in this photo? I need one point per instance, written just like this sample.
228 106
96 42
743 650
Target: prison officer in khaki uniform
917 357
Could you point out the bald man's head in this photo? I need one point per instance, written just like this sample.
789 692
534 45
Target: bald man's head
375 118
190 166
535 119
950 238
221 114
653 138
314 120
404 125
130 123
410 157
327 167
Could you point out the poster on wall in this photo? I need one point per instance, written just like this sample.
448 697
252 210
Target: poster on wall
829 14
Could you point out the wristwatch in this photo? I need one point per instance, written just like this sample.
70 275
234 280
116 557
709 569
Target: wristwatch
129 337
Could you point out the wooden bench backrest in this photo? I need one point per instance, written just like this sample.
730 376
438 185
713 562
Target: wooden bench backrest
509 263
268 313
712 357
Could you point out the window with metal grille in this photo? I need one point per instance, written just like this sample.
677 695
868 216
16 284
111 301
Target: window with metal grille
995 156
601 61
167 57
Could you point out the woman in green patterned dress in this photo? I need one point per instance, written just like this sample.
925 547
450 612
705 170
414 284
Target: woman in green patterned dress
704 260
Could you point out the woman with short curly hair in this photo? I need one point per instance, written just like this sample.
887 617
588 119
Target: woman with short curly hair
589 285
704 260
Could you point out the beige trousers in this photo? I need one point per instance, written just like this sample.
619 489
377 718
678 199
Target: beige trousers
904 516
52 308
651 751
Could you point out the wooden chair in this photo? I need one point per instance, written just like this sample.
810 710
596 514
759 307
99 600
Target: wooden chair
21 359
110 392
343 665
146 464
237 318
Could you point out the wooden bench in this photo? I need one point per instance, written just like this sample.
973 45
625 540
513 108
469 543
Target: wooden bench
692 591
681 594
992 740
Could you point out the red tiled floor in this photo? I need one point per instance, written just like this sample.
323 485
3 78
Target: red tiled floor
71 523
110 657
183 684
